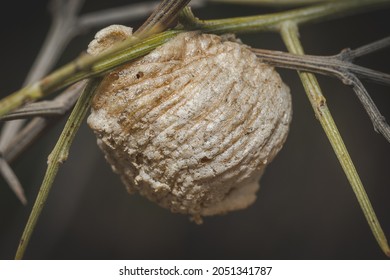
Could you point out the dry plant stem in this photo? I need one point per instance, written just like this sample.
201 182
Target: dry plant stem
47 108
162 16
338 67
350 55
26 136
58 156
335 65
12 180
377 119
63 13
36 127
289 32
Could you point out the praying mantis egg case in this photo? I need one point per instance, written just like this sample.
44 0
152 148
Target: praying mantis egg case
192 125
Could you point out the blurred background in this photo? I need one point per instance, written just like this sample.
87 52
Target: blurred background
305 207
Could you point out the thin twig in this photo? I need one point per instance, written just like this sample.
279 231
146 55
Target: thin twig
327 65
379 121
57 156
343 69
26 136
56 107
60 33
12 180
290 36
162 16
350 55
63 14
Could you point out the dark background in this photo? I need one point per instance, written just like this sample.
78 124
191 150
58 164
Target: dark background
305 208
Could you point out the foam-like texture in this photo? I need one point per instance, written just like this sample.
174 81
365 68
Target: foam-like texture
192 125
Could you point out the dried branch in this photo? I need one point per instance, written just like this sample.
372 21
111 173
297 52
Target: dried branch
161 17
26 136
340 67
12 180
56 107
63 15
350 55
326 65
290 36
372 110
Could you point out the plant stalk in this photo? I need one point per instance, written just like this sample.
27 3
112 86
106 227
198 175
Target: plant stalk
272 22
57 157
289 32
83 67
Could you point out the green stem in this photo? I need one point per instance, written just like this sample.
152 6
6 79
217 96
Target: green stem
57 156
84 67
271 22
289 32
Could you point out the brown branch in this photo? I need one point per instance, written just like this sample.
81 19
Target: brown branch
340 67
63 15
162 16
